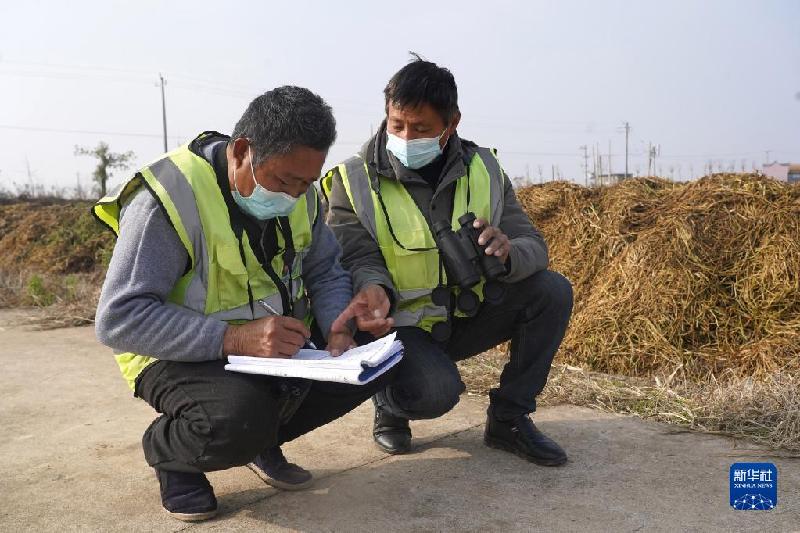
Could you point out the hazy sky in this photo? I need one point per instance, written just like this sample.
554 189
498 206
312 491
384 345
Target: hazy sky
706 80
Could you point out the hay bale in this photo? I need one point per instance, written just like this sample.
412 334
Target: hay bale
698 278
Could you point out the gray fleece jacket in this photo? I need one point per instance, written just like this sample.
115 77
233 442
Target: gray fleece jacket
361 254
133 314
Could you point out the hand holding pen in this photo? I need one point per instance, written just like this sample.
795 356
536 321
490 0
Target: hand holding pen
271 336
309 343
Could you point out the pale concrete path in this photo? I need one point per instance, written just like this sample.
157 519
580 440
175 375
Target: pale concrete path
70 459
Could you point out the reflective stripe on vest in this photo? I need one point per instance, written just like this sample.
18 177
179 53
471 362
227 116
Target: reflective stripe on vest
416 273
186 187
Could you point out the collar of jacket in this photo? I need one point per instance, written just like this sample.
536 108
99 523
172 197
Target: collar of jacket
458 153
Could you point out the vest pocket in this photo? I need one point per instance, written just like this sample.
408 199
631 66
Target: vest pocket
412 270
230 276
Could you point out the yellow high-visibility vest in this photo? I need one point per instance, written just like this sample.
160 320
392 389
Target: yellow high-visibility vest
416 273
222 275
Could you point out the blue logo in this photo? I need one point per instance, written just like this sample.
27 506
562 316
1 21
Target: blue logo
754 486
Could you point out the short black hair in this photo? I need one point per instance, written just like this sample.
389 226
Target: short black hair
423 82
283 118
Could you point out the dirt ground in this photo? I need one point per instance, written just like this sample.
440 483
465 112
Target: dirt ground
70 459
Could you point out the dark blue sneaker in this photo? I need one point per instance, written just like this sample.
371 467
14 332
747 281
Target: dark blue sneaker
187 497
273 469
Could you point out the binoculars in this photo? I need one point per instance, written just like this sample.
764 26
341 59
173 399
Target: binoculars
465 262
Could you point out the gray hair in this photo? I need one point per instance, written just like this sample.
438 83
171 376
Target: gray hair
283 118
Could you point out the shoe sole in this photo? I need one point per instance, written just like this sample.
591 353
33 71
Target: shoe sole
282 485
500 445
192 517
392 451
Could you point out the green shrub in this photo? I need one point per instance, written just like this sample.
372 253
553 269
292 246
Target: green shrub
38 292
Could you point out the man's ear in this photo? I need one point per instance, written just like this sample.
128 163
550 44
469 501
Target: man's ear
239 151
455 121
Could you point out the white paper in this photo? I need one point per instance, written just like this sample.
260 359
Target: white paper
357 366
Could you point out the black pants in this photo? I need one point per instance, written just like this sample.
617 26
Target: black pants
533 314
213 419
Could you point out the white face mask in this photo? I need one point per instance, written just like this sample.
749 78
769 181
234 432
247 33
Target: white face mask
263 204
415 153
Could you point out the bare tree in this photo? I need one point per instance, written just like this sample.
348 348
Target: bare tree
107 161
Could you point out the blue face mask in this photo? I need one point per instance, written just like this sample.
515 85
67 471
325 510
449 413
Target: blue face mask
263 204
415 153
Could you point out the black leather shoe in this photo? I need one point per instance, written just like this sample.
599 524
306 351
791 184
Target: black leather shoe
521 437
391 433
187 497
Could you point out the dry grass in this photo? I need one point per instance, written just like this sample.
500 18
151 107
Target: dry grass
765 411
66 300
52 255
52 238
689 292
702 278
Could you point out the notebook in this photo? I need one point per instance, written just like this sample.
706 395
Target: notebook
356 367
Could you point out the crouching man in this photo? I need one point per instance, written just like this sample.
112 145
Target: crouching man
221 248
401 210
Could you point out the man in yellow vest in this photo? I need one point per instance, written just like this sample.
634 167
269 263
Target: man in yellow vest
431 230
221 250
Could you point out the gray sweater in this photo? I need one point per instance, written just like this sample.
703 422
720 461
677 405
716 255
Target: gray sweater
149 258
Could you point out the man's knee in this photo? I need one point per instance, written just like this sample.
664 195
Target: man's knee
427 396
550 289
444 396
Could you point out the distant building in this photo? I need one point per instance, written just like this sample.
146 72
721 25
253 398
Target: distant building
789 172
608 179
519 182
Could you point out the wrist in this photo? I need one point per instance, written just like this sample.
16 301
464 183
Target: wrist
230 341
389 295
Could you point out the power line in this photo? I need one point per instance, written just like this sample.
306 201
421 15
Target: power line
87 132
141 73
514 152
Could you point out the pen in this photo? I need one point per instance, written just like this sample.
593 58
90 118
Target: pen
274 312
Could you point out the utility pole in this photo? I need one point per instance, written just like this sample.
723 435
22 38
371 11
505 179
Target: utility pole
656 152
600 168
609 162
599 174
163 109
627 133
585 164
766 154
29 173
552 173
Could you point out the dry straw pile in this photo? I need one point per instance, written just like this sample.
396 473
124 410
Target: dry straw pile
687 294
695 280
52 255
